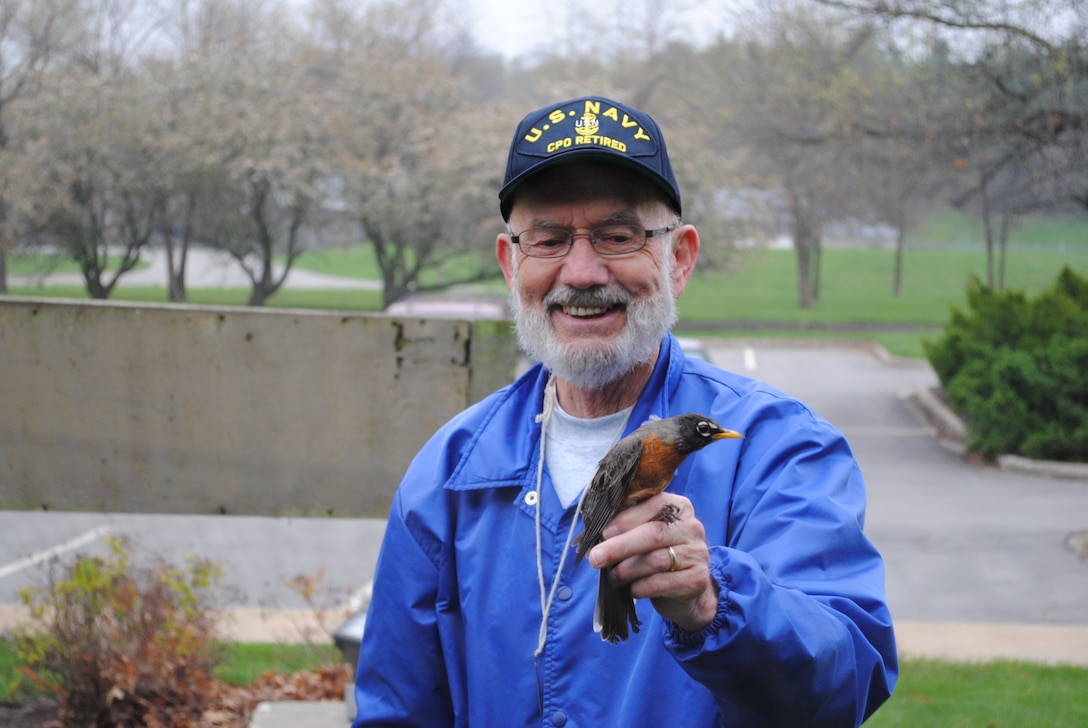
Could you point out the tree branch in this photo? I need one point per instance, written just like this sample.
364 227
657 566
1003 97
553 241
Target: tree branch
926 11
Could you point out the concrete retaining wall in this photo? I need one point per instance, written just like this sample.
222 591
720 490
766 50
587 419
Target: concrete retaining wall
185 409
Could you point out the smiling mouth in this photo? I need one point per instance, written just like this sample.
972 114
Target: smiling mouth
588 311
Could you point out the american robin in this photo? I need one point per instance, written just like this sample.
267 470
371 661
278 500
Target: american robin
635 468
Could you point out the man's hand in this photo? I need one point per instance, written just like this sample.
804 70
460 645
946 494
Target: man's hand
637 544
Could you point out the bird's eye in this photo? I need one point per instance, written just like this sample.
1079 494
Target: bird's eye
704 428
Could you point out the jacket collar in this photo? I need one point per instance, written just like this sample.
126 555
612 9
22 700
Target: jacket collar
504 449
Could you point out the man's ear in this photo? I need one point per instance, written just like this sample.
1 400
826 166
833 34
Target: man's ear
504 253
685 251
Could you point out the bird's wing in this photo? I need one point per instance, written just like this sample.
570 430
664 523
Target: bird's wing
607 489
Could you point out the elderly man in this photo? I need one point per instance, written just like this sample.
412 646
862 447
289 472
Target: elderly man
761 603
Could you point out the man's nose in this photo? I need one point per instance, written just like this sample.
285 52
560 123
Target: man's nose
583 266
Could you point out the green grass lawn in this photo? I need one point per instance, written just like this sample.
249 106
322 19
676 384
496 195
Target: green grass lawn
244 662
856 285
992 695
952 229
21 264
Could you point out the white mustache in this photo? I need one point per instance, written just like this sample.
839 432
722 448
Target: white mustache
596 297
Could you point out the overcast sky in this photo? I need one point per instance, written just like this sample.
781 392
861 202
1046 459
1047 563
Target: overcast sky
516 28
496 21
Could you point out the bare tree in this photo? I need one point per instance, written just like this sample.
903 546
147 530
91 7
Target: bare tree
32 34
797 95
86 182
905 168
1031 20
270 147
200 42
86 176
1019 134
421 160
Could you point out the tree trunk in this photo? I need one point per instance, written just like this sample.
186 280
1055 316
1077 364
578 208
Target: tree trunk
987 228
95 287
175 285
263 286
803 244
897 272
1003 246
258 295
804 272
175 267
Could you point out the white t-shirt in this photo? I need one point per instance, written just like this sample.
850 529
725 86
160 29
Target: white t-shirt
575 446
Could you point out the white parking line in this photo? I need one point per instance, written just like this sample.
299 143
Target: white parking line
749 359
39 557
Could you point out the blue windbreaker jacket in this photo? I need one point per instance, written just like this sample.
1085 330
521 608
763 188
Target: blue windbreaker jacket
802 637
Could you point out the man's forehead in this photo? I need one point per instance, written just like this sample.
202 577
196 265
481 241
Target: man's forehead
559 215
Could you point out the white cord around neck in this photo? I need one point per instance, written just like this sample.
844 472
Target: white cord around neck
547 596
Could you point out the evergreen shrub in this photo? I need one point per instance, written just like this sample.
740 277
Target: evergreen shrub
1016 369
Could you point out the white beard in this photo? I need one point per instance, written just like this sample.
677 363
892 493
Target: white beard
593 366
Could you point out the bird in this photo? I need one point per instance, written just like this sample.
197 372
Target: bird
637 467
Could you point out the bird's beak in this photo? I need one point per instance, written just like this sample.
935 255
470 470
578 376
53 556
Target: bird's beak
727 435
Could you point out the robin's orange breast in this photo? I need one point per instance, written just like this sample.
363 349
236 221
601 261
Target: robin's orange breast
656 465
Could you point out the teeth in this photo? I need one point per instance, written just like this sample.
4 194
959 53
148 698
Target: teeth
584 311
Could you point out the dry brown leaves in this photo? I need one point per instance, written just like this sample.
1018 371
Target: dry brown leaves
236 704
225 706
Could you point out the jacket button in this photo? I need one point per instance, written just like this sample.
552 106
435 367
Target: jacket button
564 593
530 498
559 719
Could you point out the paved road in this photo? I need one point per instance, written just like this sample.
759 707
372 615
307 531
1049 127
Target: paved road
962 543
259 555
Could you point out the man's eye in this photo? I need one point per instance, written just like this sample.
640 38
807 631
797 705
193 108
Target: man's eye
613 236
549 243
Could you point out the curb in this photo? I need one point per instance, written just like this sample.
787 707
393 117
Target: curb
951 430
927 405
301 714
1049 468
1044 644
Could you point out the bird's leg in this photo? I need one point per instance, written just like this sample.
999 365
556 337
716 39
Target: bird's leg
668 513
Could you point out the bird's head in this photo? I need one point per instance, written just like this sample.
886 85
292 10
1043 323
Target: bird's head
694 432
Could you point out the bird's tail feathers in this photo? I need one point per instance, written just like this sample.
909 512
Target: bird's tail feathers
614 611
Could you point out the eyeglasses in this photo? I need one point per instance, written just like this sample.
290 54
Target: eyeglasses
555 242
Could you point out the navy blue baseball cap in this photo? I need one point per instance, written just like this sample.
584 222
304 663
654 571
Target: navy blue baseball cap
591 127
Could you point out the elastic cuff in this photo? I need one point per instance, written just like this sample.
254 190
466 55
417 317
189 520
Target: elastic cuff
694 640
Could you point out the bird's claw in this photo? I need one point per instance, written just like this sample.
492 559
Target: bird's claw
669 513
